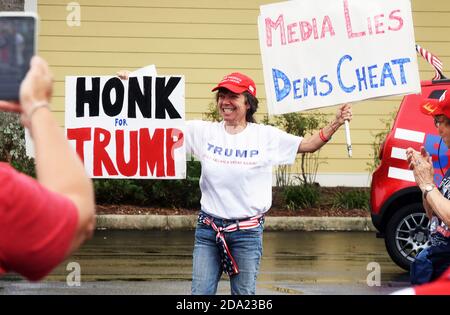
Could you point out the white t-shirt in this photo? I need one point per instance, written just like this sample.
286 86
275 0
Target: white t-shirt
236 180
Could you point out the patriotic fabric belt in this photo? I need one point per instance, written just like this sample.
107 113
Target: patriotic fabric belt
443 231
229 264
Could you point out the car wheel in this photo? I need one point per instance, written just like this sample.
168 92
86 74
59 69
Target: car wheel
407 234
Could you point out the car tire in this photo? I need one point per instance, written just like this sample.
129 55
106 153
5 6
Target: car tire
407 234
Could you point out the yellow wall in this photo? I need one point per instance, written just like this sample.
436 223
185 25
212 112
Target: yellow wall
204 40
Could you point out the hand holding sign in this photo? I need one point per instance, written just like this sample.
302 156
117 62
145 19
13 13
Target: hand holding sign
123 74
127 128
344 114
327 52
149 70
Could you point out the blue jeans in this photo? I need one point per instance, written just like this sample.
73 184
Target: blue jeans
430 264
421 269
246 249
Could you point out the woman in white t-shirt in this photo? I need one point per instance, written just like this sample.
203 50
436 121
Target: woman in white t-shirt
237 156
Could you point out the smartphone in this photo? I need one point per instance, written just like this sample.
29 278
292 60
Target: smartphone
18 33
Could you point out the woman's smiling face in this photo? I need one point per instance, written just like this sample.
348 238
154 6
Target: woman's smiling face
232 106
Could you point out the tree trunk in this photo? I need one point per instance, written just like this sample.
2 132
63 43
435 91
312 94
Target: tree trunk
11 5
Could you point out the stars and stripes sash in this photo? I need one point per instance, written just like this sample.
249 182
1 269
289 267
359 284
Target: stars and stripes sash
229 264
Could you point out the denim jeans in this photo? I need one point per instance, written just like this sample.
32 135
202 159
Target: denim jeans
421 269
246 249
430 264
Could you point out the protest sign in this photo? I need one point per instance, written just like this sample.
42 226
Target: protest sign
149 70
127 128
326 52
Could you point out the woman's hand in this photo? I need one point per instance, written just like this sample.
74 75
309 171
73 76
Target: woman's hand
123 74
36 89
410 152
344 113
422 166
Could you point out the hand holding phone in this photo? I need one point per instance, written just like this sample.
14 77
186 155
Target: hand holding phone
17 47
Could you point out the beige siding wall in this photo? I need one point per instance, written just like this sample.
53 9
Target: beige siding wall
204 40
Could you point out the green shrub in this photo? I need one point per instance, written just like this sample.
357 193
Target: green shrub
213 113
301 125
183 193
352 199
176 193
179 193
302 196
193 169
117 191
12 144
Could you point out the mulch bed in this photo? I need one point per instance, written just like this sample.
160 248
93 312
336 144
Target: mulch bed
325 209
314 212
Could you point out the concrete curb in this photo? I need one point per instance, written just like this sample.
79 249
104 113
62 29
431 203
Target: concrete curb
188 222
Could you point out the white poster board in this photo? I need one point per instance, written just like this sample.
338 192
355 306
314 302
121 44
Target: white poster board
326 52
128 128
149 70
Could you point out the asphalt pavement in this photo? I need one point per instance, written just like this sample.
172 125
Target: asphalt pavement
160 262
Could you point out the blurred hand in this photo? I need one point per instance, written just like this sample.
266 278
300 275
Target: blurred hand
410 152
36 89
123 74
344 113
422 165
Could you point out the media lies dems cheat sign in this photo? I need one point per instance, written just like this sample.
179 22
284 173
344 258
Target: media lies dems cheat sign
127 128
325 52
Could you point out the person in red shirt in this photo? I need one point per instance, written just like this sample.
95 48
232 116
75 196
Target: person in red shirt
43 221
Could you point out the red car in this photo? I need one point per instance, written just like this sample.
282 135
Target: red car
396 201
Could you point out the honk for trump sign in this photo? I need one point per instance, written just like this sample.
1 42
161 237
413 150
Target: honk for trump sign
127 128
325 52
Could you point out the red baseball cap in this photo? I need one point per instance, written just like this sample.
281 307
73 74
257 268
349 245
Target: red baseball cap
437 106
237 83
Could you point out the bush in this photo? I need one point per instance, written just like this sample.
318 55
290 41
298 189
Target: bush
152 192
213 113
300 125
302 196
12 144
176 193
352 199
116 191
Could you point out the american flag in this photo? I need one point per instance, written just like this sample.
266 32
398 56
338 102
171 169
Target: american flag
432 60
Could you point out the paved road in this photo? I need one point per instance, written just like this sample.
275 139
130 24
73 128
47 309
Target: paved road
154 262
